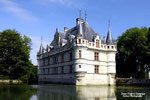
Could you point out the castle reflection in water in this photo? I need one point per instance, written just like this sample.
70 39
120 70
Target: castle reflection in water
62 92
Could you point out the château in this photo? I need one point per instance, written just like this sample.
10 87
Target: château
78 56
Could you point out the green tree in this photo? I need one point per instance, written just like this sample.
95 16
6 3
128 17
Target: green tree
132 55
33 76
14 55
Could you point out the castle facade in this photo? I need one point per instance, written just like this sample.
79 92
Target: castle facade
78 56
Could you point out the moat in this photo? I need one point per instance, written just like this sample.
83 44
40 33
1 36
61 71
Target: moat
70 92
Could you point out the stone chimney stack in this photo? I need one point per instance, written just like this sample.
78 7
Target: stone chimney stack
65 29
78 20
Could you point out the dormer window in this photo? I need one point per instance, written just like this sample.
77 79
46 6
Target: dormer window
93 44
97 43
83 42
89 44
79 41
108 47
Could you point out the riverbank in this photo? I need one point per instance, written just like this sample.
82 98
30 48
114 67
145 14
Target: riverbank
11 81
119 82
132 82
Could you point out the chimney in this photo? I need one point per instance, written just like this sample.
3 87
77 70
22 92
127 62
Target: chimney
104 39
78 20
65 29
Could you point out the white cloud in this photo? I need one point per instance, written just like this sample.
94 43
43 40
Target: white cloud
62 2
67 3
16 10
36 41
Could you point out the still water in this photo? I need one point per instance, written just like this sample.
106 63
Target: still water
68 92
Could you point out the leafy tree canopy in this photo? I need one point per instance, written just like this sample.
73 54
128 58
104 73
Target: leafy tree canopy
133 53
14 55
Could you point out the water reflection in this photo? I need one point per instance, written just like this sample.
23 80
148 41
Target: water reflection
69 92
16 92
65 92
61 92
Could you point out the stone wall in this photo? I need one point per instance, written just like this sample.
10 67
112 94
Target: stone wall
128 81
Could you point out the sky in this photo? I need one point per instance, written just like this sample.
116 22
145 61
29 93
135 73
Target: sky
40 18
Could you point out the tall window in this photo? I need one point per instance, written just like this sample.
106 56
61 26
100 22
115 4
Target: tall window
96 56
62 69
48 60
80 54
97 43
43 71
48 70
96 69
55 60
43 62
62 58
70 55
70 69
55 69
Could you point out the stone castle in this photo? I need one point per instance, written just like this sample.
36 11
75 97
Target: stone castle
78 56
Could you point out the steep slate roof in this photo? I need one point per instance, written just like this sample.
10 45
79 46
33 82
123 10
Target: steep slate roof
87 31
62 35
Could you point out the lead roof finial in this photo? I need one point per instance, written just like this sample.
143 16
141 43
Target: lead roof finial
41 40
109 23
80 14
85 16
41 46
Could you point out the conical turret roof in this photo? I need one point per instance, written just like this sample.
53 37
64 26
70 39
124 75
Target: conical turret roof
109 39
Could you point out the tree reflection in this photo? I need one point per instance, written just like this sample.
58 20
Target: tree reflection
16 92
